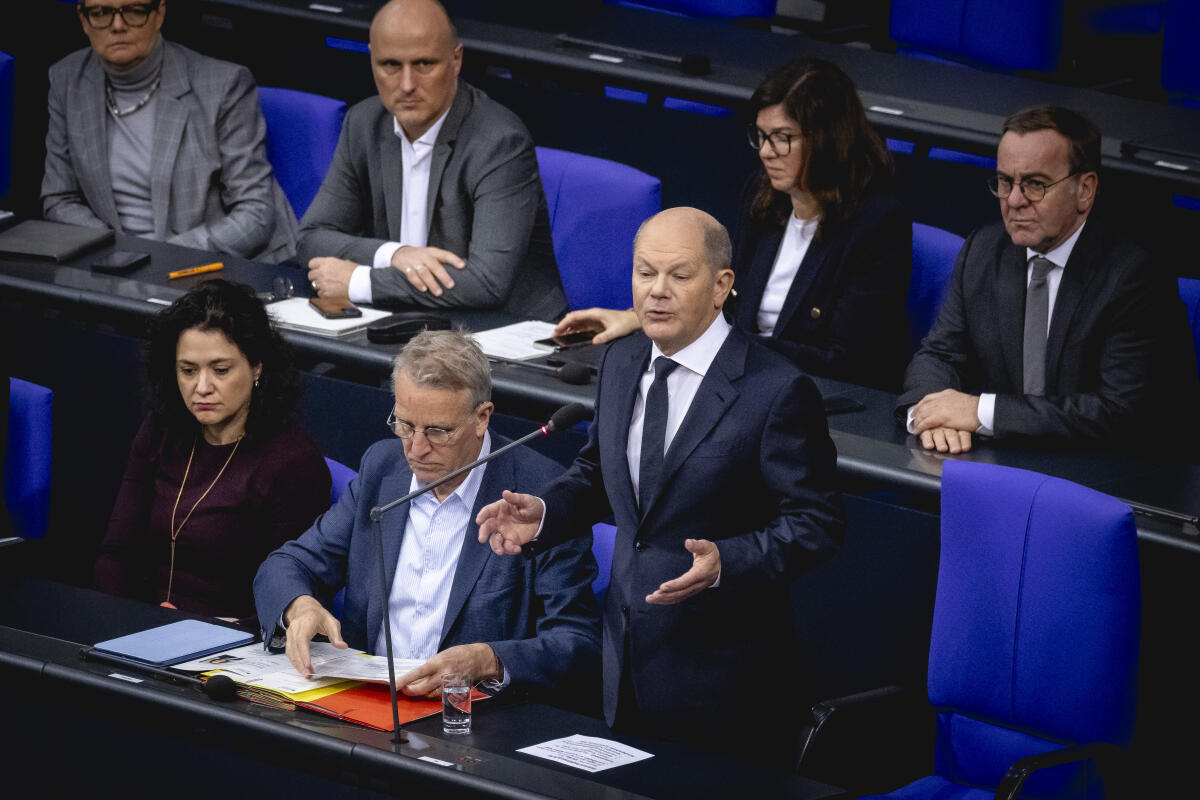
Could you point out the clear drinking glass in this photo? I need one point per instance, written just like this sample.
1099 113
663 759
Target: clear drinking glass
456 703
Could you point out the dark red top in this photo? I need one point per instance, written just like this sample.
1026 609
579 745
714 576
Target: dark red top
271 492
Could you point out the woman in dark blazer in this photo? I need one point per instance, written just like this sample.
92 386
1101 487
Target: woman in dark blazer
822 248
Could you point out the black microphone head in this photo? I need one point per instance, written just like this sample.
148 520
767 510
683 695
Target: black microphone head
568 416
574 373
695 65
220 687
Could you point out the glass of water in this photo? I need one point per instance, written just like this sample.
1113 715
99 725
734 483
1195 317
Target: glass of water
456 703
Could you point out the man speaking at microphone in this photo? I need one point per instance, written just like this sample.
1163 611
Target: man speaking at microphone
712 453
452 601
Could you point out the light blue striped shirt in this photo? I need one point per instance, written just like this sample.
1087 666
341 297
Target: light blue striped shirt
433 541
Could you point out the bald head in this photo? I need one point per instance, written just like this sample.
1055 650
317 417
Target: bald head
683 223
681 275
415 58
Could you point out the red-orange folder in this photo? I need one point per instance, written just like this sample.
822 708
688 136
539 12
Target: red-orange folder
370 705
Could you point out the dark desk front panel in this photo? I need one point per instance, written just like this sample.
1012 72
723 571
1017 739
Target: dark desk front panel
83 728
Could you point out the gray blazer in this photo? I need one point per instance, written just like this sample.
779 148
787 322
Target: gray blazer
485 202
211 185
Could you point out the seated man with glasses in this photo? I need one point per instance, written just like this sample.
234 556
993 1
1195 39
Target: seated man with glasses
1054 325
531 622
152 139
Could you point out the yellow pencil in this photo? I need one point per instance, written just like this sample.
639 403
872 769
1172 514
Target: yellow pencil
187 273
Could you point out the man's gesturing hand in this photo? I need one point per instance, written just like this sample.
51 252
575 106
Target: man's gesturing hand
706 567
510 522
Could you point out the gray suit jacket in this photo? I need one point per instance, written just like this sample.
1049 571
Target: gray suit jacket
211 185
485 202
1118 357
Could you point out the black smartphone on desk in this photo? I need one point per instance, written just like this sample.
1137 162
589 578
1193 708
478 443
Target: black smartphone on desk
568 340
334 307
121 262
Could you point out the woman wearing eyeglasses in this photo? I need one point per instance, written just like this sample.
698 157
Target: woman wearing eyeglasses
149 138
822 249
218 475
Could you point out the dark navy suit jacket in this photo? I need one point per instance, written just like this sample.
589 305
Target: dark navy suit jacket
844 315
1119 356
539 615
751 468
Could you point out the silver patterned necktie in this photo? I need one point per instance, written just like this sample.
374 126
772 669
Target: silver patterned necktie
1037 317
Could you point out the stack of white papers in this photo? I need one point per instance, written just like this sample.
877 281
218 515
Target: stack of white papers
253 667
296 314
515 341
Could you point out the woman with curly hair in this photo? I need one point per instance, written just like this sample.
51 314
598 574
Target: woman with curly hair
219 475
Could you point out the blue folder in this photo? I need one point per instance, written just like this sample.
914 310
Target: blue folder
175 643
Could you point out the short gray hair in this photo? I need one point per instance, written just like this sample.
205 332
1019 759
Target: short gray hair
718 249
446 360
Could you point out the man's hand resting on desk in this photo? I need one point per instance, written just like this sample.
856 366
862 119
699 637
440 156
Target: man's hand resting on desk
305 618
611 323
425 267
945 420
330 277
510 522
476 660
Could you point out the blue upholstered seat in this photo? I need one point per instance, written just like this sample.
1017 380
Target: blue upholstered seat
6 120
934 251
302 133
603 536
1036 629
595 209
27 460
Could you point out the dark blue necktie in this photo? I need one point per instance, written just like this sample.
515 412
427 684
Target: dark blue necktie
654 432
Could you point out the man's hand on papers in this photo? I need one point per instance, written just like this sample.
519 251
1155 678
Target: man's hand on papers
610 323
477 660
510 522
706 568
305 618
331 276
425 267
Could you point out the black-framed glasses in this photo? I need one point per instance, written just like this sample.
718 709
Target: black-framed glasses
134 15
433 435
781 143
1033 189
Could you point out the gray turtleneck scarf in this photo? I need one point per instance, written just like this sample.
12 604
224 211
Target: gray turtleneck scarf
131 141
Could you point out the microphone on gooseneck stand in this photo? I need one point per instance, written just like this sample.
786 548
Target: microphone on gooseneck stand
218 687
566 417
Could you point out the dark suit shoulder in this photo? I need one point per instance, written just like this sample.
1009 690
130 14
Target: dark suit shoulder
486 117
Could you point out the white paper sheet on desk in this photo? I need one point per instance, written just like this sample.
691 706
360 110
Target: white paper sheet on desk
588 753
515 341
296 314
251 665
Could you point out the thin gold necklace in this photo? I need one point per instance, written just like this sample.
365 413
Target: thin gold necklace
175 531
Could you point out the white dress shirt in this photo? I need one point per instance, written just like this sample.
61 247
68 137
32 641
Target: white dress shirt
1058 257
694 361
417 161
433 541
796 239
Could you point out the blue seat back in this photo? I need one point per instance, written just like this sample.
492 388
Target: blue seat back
302 133
934 252
1189 293
6 120
1013 35
603 536
1181 50
1036 624
27 460
595 208
339 479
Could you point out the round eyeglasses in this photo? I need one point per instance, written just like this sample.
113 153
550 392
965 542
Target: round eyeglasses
406 430
1033 189
134 15
781 143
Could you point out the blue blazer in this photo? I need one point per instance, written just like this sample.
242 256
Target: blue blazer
539 615
751 468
